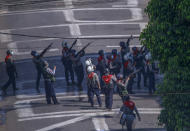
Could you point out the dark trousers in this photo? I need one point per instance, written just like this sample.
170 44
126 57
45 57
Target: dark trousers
151 85
39 74
50 93
130 85
10 81
109 97
91 93
139 77
69 70
80 76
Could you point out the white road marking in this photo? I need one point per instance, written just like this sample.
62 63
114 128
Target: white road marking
142 26
100 123
65 123
5 38
102 112
130 3
69 15
115 46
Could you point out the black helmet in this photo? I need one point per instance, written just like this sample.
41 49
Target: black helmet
34 53
101 52
114 51
9 52
122 44
134 48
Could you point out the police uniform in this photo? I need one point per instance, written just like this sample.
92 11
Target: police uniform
101 66
49 80
150 70
11 72
79 70
68 65
139 64
93 85
114 64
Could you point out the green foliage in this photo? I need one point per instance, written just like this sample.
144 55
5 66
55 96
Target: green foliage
167 36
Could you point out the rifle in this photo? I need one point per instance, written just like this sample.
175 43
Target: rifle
130 75
83 49
72 45
45 50
129 39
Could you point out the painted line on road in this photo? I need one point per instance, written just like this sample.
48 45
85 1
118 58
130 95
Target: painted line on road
130 3
65 123
147 111
100 123
115 46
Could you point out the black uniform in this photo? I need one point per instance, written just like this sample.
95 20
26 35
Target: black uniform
68 65
38 61
11 72
79 70
139 63
150 70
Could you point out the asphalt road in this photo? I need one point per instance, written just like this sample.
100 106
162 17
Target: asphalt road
89 19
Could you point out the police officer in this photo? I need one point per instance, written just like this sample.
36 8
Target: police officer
93 85
38 61
108 80
129 109
11 72
79 70
101 66
150 71
129 68
67 62
49 79
114 62
125 48
139 63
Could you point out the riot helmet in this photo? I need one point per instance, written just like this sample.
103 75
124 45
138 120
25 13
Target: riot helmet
122 44
9 52
114 51
90 69
101 52
34 53
88 62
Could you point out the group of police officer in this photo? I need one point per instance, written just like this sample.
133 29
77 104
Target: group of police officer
105 77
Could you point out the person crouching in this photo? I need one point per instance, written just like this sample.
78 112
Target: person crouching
49 79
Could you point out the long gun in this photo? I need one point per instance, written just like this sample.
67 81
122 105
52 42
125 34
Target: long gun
83 49
128 40
130 75
45 50
74 43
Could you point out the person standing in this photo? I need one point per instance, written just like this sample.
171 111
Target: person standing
11 72
101 66
128 116
79 70
108 80
67 62
93 85
49 79
38 61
